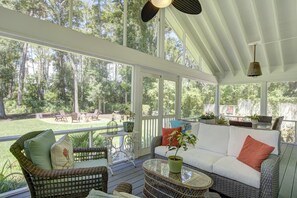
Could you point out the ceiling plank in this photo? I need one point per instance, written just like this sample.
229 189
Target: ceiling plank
219 15
214 37
174 16
256 14
276 22
241 27
205 43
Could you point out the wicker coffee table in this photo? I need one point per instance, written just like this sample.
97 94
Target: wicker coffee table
159 182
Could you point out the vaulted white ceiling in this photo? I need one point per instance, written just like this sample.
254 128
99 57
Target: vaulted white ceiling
225 28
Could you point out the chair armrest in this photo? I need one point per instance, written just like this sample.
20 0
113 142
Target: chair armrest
156 141
85 154
124 187
269 181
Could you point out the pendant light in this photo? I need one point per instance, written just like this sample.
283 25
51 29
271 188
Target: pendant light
254 68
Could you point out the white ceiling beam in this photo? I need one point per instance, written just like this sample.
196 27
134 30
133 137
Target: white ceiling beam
219 15
275 13
241 27
204 41
32 30
215 39
174 17
256 14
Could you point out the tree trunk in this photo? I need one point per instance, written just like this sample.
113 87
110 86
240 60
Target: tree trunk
21 76
2 108
75 81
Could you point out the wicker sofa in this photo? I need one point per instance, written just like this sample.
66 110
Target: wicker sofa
215 155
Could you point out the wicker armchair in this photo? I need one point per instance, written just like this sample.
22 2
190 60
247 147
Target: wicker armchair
76 182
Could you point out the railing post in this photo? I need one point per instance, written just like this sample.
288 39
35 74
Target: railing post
295 132
90 139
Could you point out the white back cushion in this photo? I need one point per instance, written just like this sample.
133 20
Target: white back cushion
213 138
239 134
195 128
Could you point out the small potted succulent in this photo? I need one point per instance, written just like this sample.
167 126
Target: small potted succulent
129 124
183 140
207 118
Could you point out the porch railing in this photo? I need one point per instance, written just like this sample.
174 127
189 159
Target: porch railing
150 128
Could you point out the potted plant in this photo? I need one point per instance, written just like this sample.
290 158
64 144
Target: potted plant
207 118
254 119
221 120
183 140
129 124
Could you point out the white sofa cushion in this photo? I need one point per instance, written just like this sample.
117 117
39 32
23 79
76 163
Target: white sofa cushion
239 134
195 128
213 138
199 158
232 168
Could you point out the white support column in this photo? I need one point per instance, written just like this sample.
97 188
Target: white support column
136 98
263 103
125 23
178 97
217 100
161 110
161 34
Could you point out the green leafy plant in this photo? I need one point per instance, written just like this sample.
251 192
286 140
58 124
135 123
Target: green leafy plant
222 120
254 117
183 139
10 180
207 116
81 140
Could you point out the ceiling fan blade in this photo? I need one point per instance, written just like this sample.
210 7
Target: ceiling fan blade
148 11
188 6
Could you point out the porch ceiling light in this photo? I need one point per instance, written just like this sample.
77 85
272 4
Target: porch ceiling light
254 68
161 3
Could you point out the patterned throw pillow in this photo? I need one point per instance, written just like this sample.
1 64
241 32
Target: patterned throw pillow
62 153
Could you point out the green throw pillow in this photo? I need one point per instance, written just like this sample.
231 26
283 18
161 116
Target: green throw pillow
38 149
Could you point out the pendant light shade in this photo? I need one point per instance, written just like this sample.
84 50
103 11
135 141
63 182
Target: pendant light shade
161 3
254 68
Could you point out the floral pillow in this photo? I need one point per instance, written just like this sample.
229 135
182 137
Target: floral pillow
62 153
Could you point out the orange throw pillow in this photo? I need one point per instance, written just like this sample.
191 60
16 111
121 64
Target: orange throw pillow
165 135
254 152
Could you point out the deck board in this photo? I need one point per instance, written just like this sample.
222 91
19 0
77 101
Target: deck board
128 173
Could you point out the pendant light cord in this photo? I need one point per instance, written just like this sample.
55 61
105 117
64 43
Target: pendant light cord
255 53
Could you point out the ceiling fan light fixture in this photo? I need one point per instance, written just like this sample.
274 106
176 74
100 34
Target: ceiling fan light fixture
254 68
161 3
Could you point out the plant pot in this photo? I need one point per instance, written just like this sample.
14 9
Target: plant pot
128 126
209 121
175 164
254 121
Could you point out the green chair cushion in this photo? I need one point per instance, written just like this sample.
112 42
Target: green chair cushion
38 149
91 163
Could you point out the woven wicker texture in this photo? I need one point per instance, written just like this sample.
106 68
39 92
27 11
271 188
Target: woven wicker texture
269 179
62 183
124 187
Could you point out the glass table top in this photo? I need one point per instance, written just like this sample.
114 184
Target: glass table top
187 177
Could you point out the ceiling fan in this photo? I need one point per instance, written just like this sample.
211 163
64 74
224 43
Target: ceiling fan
151 8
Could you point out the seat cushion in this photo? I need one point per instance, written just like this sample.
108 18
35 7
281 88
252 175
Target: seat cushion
38 149
200 158
62 153
239 134
232 168
91 163
213 138
254 152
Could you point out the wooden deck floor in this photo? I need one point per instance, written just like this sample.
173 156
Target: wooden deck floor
125 172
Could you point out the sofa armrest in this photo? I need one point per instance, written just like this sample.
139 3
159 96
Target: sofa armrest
157 141
269 181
